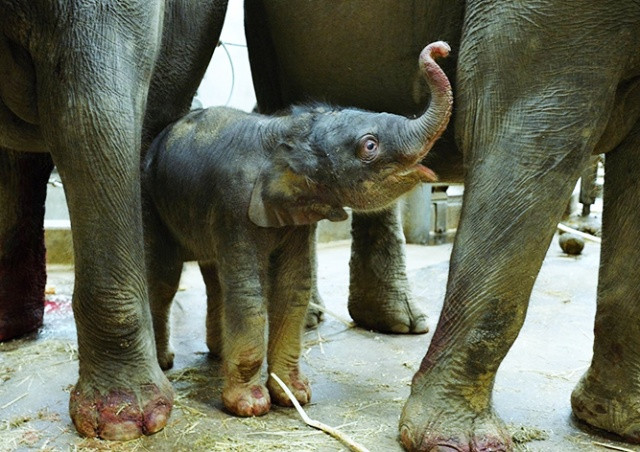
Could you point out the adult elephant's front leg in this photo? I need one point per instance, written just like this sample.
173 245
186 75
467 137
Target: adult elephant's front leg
526 133
23 187
496 257
96 82
379 294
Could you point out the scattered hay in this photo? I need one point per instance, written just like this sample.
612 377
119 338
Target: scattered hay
98 445
6 373
17 422
189 375
226 443
186 409
17 432
40 352
351 409
27 431
523 434
310 343
46 415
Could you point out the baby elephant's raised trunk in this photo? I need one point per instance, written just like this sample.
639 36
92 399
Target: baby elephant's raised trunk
422 132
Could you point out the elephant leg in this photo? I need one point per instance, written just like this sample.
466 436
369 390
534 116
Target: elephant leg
190 35
496 258
290 291
608 395
379 294
209 273
162 288
315 314
526 136
588 185
23 188
96 83
164 268
244 320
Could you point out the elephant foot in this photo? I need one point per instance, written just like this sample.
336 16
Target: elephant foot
608 406
22 282
165 358
121 414
246 399
433 420
379 292
314 313
314 317
387 312
297 383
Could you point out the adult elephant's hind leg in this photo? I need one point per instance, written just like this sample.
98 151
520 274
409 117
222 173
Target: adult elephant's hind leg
608 395
379 294
92 118
23 187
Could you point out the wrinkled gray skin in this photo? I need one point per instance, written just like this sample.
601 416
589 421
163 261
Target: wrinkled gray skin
540 87
241 193
76 78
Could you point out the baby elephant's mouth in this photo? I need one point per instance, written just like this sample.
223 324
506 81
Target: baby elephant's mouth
423 173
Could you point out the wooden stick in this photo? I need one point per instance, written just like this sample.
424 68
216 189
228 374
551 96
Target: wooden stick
584 235
320 340
8 404
332 314
354 446
611 446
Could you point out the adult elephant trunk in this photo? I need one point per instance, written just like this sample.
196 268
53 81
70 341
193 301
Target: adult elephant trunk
421 133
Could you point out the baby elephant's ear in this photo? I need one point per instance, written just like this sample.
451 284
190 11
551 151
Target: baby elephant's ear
287 200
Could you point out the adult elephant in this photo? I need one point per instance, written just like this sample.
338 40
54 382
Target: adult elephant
540 87
76 80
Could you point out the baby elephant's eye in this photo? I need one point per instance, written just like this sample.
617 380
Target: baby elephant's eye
368 148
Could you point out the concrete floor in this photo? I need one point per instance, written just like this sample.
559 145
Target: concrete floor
360 379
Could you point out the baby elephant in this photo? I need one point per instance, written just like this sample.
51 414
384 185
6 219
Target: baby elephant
240 194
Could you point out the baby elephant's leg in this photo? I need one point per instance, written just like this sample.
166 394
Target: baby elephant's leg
243 328
315 314
163 276
288 301
214 307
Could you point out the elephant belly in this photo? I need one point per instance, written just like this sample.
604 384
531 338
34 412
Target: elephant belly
623 117
351 53
18 105
18 135
18 81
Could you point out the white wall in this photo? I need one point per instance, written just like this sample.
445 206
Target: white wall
221 85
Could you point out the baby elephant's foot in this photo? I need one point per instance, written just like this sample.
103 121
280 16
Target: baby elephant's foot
246 399
315 314
608 406
297 383
314 317
165 358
